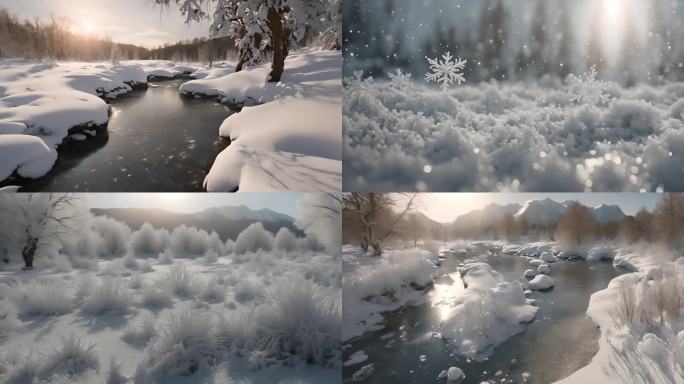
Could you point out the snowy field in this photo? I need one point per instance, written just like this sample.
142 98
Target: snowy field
639 313
287 136
182 306
580 135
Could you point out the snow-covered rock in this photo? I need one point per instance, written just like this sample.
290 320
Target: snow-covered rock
548 257
455 375
536 262
529 273
26 154
364 372
357 357
544 268
541 283
652 346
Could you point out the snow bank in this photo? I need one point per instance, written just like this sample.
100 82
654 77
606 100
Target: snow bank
293 140
480 310
45 101
585 135
372 285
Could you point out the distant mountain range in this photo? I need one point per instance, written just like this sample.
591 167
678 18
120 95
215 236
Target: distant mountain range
227 221
534 211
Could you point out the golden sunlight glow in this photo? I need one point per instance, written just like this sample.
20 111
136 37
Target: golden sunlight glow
613 8
87 27
170 198
443 297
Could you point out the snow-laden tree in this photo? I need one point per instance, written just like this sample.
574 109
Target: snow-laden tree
576 228
263 27
40 221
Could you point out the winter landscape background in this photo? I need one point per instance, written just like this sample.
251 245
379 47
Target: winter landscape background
558 96
512 287
97 289
265 76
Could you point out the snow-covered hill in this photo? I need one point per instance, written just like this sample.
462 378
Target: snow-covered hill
489 215
243 212
541 211
605 213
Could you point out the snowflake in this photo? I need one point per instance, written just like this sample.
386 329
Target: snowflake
399 79
445 71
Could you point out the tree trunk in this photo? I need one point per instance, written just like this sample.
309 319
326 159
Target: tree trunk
29 251
275 24
377 249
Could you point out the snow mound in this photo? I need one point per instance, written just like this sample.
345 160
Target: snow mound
357 357
544 268
28 155
548 257
293 140
485 314
529 273
542 283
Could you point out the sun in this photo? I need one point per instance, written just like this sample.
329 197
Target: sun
613 8
88 27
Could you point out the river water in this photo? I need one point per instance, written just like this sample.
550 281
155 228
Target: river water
156 140
560 340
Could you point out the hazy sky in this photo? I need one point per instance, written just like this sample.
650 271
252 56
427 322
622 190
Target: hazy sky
283 202
445 207
138 22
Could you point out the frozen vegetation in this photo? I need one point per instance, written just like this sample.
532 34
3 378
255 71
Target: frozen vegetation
581 134
113 304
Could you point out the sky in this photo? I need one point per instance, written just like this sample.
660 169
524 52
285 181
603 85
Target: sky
139 22
445 207
282 202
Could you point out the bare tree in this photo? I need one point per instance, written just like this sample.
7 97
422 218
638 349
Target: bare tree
507 226
576 226
371 210
417 227
668 218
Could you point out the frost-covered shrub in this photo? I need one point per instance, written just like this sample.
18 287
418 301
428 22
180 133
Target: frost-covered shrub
143 333
253 238
180 281
165 257
211 257
431 246
115 376
109 295
214 243
83 288
299 323
113 234
248 290
213 291
73 358
136 281
185 346
144 266
46 298
677 110
155 297
8 318
228 246
285 240
148 241
188 241
130 262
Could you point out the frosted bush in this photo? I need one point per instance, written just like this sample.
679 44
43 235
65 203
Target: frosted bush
632 120
213 291
228 246
46 298
188 241
185 346
211 257
299 323
285 240
142 333
136 282
130 262
148 241
73 358
319 223
214 243
165 257
180 281
114 236
114 375
8 318
677 110
252 239
248 290
108 296
153 296
144 266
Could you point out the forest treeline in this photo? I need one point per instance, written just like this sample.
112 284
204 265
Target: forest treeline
53 40
373 220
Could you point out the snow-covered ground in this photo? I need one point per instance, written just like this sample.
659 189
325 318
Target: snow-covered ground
233 312
288 135
580 135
